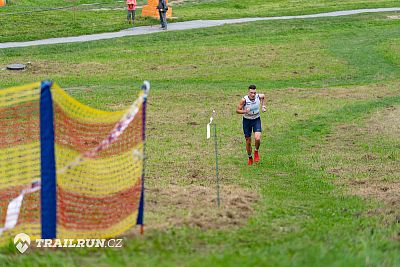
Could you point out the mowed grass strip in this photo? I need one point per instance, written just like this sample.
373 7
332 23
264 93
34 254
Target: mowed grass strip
257 8
302 217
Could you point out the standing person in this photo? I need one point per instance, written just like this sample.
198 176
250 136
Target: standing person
131 5
162 11
249 106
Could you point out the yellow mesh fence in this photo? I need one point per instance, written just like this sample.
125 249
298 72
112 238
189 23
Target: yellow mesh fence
99 161
99 195
19 159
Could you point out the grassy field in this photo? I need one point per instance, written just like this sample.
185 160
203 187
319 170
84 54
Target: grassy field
326 192
24 20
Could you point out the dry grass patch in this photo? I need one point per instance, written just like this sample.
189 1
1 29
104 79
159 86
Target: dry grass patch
386 122
196 206
40 69
366 159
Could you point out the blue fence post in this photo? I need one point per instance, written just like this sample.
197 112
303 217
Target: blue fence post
141 204
48 194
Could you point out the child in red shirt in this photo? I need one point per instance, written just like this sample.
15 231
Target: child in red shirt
131 6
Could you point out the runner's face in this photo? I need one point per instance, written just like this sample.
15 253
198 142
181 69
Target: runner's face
252 94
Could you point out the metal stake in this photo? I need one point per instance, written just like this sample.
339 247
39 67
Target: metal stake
216 162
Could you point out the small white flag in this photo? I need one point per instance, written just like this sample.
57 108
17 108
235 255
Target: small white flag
208 131
209 127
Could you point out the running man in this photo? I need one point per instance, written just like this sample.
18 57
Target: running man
249 106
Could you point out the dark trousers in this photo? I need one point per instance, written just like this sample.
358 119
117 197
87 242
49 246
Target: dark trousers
131 15
163 18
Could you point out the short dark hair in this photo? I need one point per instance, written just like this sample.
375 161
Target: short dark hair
252 86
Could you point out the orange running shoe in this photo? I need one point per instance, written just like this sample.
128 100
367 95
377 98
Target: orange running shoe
256 156
250 161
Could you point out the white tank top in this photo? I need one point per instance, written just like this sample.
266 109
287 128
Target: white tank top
254 107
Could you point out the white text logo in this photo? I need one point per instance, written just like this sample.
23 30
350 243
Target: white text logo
79 243
22 242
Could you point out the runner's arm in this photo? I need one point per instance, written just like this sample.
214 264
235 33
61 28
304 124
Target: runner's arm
239 109
262 98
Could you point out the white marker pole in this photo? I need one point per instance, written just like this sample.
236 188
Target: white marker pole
216 151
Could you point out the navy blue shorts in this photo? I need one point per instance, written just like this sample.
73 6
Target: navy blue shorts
250 126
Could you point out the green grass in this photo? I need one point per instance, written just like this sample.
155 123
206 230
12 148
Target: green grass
260 8
330 72
78 19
